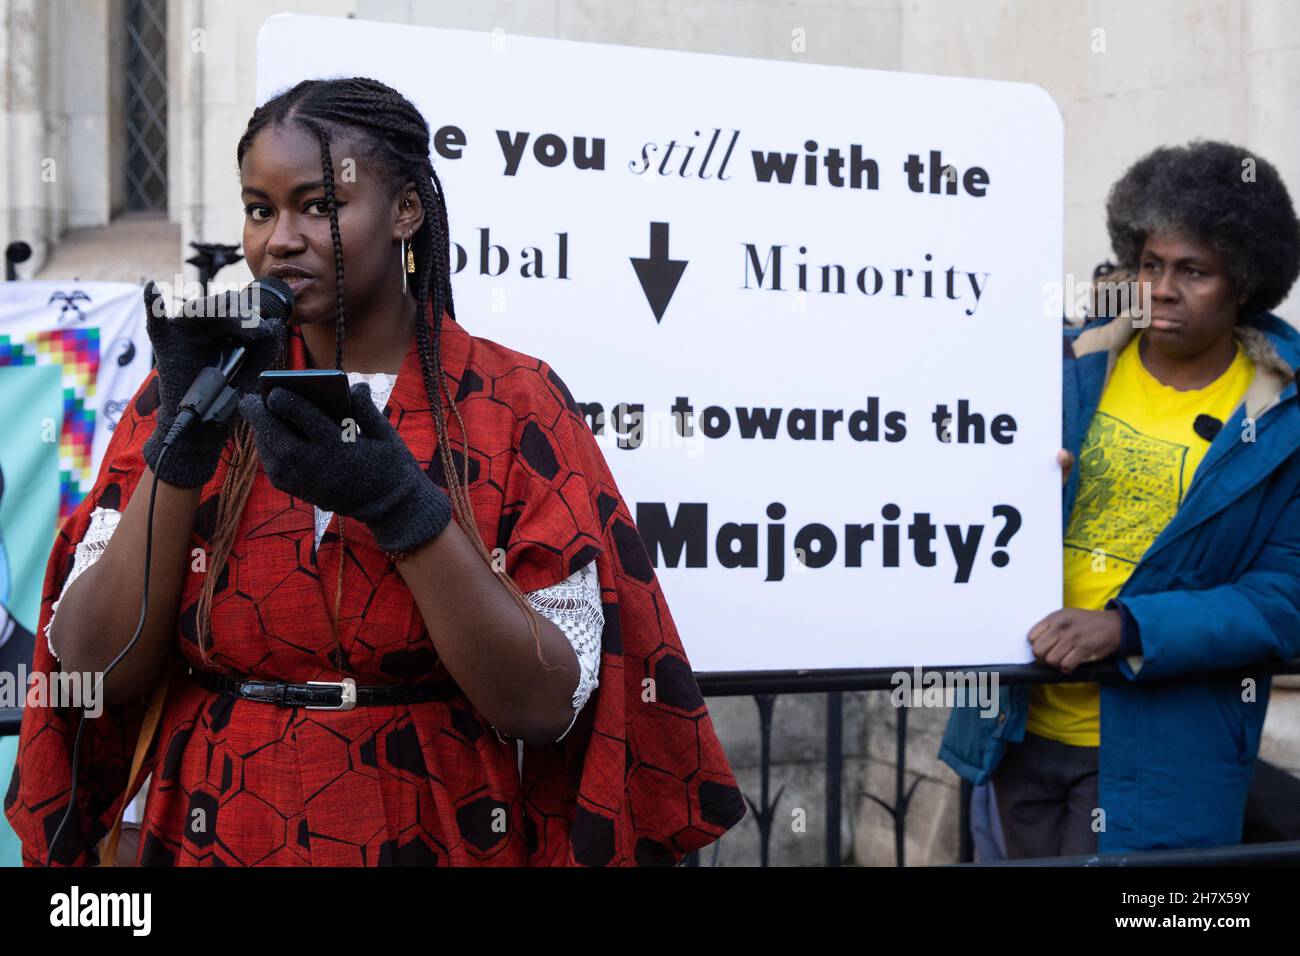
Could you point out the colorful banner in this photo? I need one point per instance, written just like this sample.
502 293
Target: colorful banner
71 356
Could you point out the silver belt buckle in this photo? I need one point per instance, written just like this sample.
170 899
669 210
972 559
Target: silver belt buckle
347 690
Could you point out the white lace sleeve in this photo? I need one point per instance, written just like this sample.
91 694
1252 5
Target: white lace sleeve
103 521
574 607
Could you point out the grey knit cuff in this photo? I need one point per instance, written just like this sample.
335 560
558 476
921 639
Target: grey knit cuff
192 459
423 515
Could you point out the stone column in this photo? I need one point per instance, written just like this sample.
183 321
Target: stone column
25 200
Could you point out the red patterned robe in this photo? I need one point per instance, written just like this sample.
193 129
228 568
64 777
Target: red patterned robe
639 779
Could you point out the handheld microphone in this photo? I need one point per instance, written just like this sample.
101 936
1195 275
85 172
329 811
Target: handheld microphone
210 398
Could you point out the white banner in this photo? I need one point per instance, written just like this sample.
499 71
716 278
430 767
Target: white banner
808 299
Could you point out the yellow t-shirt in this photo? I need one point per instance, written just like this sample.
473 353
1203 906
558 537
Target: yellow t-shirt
1136 463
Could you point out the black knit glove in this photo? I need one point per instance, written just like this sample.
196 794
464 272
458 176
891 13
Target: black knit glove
373 478
183 347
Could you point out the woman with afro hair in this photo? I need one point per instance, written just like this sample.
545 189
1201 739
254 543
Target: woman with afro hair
425 634
1181 523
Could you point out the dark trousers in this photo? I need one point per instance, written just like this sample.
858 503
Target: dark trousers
1046 794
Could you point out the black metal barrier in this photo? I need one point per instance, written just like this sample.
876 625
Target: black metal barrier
766 686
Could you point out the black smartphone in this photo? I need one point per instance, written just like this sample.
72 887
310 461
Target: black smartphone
327 389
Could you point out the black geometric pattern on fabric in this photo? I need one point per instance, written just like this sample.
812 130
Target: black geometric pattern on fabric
189 623
413 853
201 819
719 803
439 476
465 723
402 750
577 758
156 853
409 663
564 390
631 552
506 526
175 751
592 837
652 853
537 451
149 398
368 753
223 579
675 684
530 834
583 557
606 505
470 382
611 637
12 793
111 497
484 823
219 712
205 517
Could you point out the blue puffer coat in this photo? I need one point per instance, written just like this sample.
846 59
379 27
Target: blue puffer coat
1219 588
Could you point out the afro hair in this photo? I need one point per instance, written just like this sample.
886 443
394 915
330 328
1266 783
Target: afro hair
1209 191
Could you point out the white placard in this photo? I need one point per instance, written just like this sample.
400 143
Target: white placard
938 199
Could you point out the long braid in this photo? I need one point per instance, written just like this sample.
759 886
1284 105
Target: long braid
442 267
395 133
327 167
444 262
327 175
435 388
235 489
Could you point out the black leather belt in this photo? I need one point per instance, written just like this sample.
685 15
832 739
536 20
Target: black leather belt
322 695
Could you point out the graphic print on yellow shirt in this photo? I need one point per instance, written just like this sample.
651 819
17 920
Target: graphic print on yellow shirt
1135 466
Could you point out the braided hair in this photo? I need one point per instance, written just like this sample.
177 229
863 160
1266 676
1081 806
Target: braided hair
392 132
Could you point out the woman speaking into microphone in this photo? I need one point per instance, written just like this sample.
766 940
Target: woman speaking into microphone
425 633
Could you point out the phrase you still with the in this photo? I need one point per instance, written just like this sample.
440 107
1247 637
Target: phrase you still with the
709 154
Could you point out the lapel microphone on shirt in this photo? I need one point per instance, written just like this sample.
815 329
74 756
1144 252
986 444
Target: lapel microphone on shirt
1207 426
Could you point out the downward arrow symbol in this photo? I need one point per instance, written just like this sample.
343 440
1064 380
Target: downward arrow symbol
658 274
